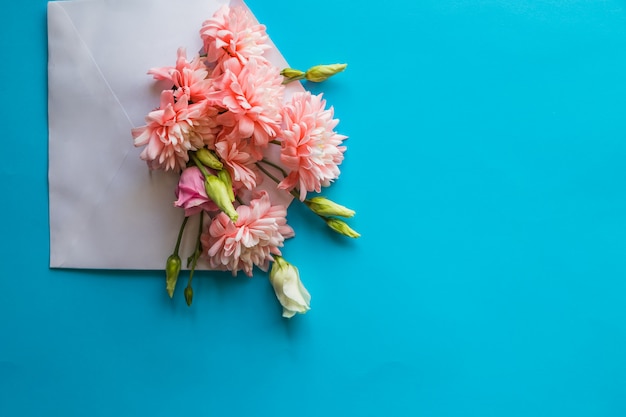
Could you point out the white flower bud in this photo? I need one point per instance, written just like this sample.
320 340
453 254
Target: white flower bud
289 290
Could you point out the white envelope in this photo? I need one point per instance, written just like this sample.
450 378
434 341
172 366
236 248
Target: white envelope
107 210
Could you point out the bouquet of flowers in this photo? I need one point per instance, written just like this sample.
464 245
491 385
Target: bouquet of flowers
227 128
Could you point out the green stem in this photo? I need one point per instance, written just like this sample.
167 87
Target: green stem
273 165
293 192
196 253
180 235
266 172
276 142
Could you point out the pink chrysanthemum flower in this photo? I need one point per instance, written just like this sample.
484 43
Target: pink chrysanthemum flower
253 95
258 234
188 77
233 32
207 126
235 153
173 129
311 149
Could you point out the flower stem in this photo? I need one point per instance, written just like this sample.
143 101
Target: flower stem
273 165
180 235
276 142
293 192
196 253
266 172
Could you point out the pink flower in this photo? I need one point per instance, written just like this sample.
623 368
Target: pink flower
173 129
189 77
206 125
252 94
311 149
257 235
235 152
233 32
191 194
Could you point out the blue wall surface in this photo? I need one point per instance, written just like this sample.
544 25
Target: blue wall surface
487 164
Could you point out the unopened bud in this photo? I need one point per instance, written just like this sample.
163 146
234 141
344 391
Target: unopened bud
341 227
292 74
224 175
188 295
218 192
326 207
209 159
321 73
172 269
289 290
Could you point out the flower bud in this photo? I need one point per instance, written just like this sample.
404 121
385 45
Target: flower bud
291 74
341 227
224 175
326 207
218 192
321 73
289 290
172 269
188 295
209 159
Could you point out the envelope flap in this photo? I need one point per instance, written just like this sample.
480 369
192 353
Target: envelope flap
126 38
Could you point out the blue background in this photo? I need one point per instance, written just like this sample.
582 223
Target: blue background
486 162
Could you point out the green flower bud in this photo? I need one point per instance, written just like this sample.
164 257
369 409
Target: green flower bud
217 191
209 159
291 74
223 175
326 207
188 295
341 227
172 269
321 73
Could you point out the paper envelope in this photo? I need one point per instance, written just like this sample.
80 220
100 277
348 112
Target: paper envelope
107 209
